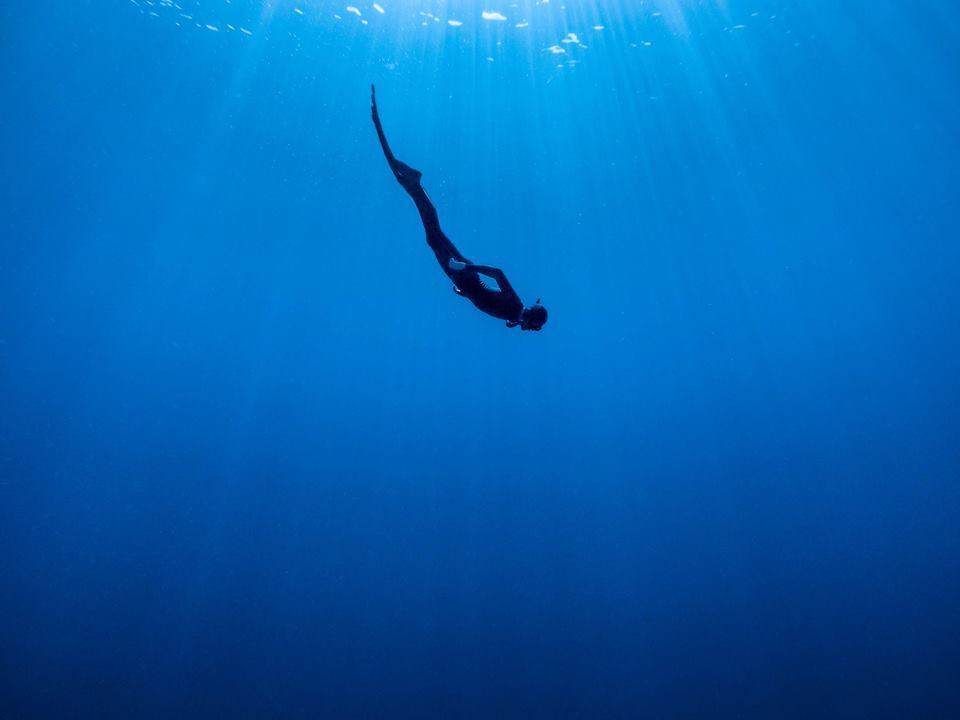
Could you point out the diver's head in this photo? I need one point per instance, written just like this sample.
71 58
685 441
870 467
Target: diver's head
533 317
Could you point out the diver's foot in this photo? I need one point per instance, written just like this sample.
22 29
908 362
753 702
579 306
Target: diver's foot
406 174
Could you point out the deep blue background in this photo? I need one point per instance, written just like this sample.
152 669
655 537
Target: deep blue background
257 460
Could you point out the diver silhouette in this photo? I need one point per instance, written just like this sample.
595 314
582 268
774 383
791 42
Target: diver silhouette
503 303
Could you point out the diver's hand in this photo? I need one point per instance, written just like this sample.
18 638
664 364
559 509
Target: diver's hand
456 264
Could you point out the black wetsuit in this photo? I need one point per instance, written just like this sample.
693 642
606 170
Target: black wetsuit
503 304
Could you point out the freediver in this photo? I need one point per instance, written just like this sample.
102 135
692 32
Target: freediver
503 303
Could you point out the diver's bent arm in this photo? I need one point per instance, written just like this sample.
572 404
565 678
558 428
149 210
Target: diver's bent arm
497 274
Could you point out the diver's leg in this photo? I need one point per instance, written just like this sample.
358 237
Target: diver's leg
436 239
409 179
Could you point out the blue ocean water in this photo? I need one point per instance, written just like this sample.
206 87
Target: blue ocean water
258 460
